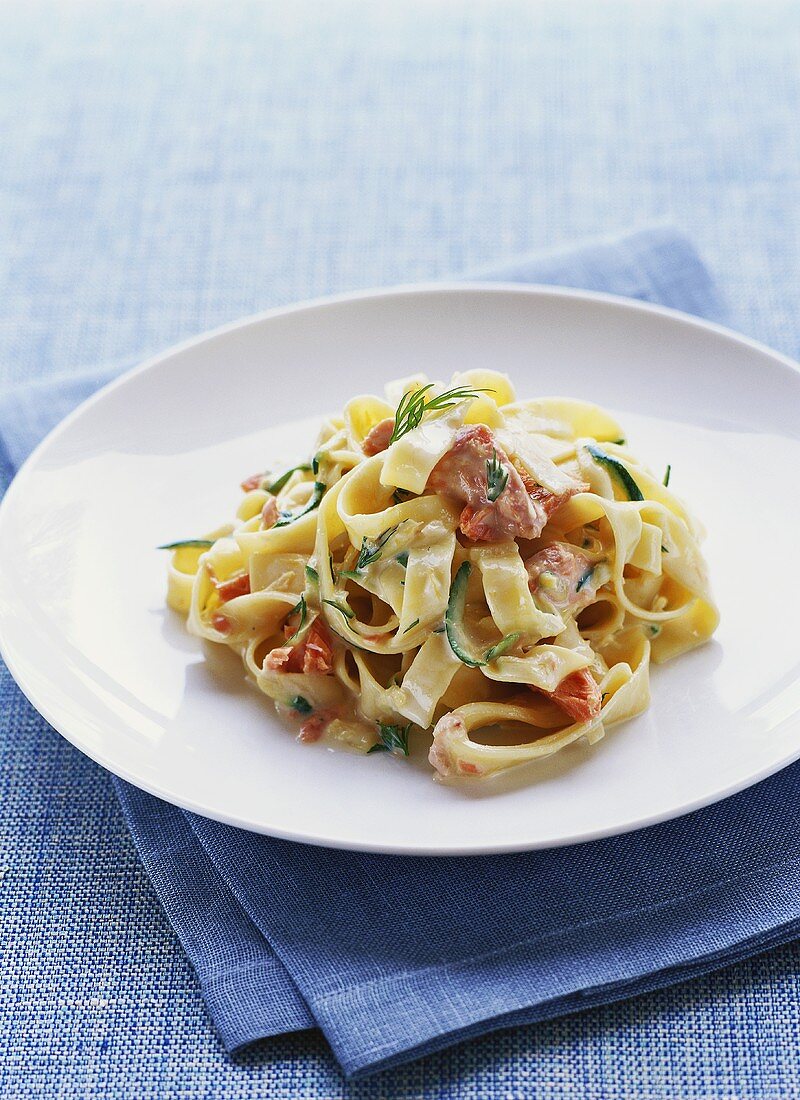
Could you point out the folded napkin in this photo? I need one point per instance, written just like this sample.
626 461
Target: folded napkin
393 957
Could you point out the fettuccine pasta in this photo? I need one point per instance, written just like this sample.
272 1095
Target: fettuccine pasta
453 563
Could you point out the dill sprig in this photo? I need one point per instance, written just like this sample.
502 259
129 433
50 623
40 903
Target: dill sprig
496 477
344 609
392 739
415 404
371 549
300 608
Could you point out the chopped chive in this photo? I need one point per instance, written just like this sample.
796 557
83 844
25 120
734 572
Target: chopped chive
402 557
300 704
312 575
666 476
411 626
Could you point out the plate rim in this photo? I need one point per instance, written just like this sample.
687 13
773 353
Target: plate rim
534 290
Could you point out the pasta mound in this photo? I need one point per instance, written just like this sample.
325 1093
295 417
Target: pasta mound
457 568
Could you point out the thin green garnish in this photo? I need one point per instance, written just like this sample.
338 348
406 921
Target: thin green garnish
454 624
278 484
371 549
501 647
392 739
411 626
666 476
402 557
300 704
187 544
618 470
496 477
314 502
301 608
415 404
400 496
618 442
587 576
343 608
312 575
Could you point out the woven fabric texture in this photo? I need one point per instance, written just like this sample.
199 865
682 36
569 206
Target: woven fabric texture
168 168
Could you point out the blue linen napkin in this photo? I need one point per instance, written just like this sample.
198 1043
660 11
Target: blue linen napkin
393 957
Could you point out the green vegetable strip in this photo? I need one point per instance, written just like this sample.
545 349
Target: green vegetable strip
189 544
617 471
276 486
501 647
314 502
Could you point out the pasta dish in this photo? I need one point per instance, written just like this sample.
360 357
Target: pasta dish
456 568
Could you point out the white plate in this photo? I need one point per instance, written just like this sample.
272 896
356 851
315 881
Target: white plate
159 454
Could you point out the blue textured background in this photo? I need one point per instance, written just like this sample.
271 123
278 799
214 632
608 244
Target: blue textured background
164 168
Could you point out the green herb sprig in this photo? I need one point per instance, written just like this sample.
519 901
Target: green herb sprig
392 739
343 608
300 704
302 608
415 404
496 477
